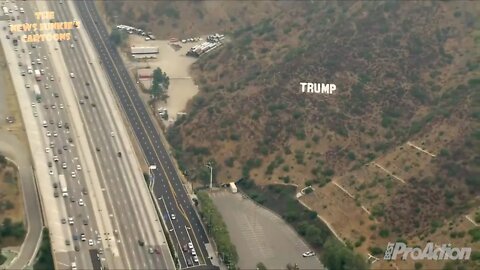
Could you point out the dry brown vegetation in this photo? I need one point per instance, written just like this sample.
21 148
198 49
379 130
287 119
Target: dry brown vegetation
405 72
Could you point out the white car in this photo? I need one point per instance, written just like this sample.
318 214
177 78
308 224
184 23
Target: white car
308 254
64 165
49 134
55 134
190 245
33 104
173 216
90 242
74 174
27 85
79 168
47 150
51 172
70 220
113 134
35 114
80 202
194 253
72 75
61 106
195 259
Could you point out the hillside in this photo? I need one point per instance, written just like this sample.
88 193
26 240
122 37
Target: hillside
395 150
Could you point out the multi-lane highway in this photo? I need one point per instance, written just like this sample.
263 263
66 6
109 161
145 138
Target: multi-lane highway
107 218
169 191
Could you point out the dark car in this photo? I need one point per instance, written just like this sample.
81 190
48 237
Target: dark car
119 154
55 95
75 237
189 262
85 222
77 248
50 164
55 185
55 194
141 243
65 147
70 140
84 191
185 248
59 151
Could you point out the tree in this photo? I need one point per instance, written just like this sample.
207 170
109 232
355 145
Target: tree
339 257
261 266
117 37
160 84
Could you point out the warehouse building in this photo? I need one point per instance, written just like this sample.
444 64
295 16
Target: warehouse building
144 52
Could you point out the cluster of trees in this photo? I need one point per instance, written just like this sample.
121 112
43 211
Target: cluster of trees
217 228
44 258
11 229
160 85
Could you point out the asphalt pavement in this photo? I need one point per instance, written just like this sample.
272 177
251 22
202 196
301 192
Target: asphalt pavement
171 195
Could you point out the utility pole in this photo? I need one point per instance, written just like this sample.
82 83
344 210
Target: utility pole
211 174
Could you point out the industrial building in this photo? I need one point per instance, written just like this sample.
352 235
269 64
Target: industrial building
144 52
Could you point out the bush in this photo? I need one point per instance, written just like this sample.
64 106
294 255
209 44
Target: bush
339 257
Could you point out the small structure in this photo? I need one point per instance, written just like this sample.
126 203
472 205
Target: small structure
144 74
144 52
233 187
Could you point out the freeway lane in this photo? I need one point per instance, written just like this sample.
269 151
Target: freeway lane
125 187
168 185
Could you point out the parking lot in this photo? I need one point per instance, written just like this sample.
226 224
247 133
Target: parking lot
261 236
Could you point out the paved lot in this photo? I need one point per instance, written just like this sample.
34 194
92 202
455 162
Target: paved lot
260 235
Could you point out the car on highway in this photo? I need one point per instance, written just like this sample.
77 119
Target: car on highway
45 106
141 243
150 250
72 75
55 134
190 245
67 242
55 95
65 147
70 220
55 158
54 106
27 85
90 242
80 202
85 222
47 150
59 124
63 220
77 248
81 101
185 248
84 191
79 168
61 107
172 216
64 165
308 254
51 172
55 194
82 237
74 174
49 134
75 237
193 252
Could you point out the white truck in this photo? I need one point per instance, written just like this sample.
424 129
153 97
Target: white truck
38 75
5 11
63 185
38 94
